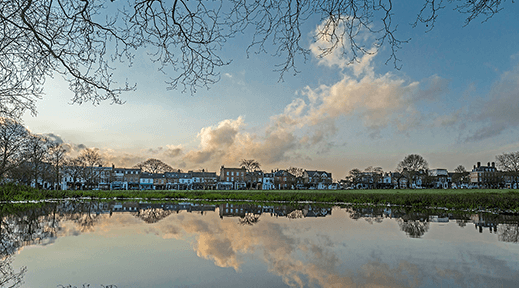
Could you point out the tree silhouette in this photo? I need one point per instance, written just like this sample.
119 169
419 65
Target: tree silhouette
9 278
57 158
508 232
249 219
83 40
411 166
250 166
152 215
509 163
13 139
153 165
413 228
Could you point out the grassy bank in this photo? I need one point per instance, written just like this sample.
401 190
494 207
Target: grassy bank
504 199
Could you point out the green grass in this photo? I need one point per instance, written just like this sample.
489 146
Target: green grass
504 199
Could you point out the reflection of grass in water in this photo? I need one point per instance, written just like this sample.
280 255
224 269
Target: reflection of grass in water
504 199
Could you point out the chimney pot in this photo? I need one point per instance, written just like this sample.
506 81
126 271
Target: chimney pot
488 164
493 164
479 164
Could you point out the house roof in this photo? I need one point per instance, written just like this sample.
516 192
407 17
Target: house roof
283 173
313 173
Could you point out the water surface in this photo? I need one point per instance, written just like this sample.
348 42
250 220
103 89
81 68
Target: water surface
229 245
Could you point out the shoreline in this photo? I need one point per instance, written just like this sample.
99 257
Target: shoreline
497 200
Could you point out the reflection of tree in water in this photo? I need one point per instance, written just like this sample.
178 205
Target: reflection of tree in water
85 215
296 214
508 232
33 226
86 286
461 222
21 228
413 228
374 219
8 277
152 215
370 214
249 219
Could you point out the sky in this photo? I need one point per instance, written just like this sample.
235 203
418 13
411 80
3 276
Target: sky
454 101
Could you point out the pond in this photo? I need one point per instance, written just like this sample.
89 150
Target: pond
131 244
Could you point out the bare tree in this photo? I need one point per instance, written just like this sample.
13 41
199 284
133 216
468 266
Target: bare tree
460 175
509 163
37 152
74 168
90 159
154 166
411 166
13 139
81 40
355 176
250 166
57 157
374 174
298 172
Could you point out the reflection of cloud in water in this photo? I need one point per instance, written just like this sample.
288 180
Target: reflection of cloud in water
304 254
301 259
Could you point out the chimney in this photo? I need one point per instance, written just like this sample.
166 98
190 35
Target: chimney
488 164
493 164
474 167
479 164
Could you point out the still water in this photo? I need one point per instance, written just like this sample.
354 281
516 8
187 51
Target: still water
231 245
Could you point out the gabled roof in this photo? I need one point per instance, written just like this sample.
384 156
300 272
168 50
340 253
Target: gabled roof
313 173
283 173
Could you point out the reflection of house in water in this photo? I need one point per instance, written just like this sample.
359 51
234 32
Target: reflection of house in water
238 210
201 208
438 219
241 210
125 207
309 211
136 207
482 221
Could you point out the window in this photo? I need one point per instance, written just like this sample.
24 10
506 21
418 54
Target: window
232 178
227 179
232 173
227 172
241 173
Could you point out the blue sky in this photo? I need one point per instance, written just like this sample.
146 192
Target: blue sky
454 101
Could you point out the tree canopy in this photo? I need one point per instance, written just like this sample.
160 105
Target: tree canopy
154 166
411 165
250 165
82 39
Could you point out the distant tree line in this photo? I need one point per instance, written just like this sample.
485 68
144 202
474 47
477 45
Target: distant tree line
26 158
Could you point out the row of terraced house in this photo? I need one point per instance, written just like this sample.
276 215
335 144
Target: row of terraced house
232 178
112 178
